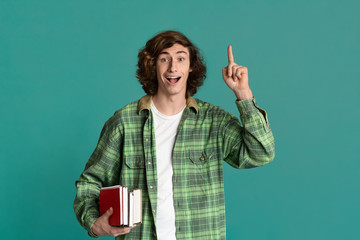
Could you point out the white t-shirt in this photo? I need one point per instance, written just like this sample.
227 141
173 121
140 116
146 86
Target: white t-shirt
165 133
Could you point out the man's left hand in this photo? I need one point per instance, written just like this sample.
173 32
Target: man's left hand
236 78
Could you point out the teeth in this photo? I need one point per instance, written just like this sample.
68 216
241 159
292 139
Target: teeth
173 77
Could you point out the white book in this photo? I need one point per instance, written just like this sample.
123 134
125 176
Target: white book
125 206
121 203
131 209
137 206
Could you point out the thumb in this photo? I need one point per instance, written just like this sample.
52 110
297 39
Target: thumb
224 73
109 212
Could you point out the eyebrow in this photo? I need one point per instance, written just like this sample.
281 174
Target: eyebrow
178 52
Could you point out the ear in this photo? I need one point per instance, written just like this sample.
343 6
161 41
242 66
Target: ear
190 69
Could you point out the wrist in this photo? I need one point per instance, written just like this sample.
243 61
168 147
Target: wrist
243 94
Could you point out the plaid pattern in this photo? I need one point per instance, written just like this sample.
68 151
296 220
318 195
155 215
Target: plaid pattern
207 135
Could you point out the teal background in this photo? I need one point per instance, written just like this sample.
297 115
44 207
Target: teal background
66 66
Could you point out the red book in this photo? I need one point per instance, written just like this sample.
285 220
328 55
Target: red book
112 197
127 207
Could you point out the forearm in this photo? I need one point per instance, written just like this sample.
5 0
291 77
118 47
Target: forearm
86 205
252 144
101 171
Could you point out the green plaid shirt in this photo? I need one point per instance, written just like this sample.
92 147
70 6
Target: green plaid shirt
206 135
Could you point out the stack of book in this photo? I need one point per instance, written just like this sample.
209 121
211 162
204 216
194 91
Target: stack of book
127 206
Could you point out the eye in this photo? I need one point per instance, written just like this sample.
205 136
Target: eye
181 59
163 60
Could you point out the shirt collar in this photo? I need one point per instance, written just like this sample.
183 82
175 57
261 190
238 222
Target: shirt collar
145 103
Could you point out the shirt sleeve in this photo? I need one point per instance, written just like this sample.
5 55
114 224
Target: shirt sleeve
250 144
101 170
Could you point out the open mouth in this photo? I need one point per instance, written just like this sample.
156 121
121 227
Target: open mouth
173 80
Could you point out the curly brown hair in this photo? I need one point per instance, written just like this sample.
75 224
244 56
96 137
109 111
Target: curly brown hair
146 72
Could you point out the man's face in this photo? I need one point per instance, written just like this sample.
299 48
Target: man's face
172 70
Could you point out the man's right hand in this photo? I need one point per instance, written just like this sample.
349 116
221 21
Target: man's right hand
101 226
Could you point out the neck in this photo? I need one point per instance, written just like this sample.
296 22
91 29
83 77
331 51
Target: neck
169 105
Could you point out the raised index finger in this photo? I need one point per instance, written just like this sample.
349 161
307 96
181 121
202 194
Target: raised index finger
230 54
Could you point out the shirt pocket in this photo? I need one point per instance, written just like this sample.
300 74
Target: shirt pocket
132 174
200 157
199 170
134 161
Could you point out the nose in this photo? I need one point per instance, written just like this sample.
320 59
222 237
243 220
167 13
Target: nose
172 66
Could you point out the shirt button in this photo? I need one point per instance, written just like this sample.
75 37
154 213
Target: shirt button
151 186
149 162
139 164
154 234
154 210
202 159
146 139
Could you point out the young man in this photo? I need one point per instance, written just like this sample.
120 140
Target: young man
172 146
